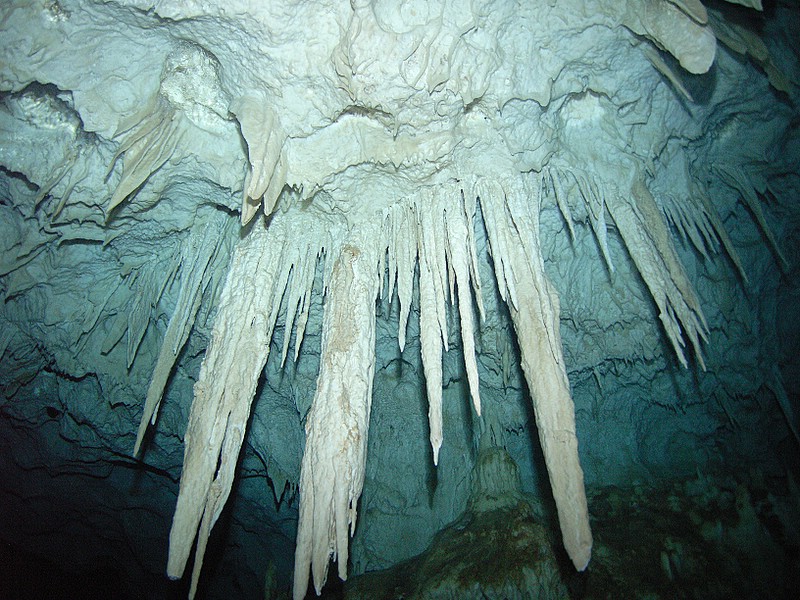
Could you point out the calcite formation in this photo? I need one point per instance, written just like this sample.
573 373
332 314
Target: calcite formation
377 140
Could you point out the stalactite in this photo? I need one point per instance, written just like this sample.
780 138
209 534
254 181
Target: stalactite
512 226
265 139
596 204
228 377
696 220
432 320
552 181
402 253
716 223
334 461
297 301
673 26
197 265
457 224
150 138
694 9
662 67
189 97
644 231
741 182
141 288
249 308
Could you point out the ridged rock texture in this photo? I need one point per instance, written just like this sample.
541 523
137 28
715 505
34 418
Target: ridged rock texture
287 242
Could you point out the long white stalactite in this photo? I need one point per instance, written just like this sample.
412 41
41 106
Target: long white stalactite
334 461
265 265
432 329
235 357
512 224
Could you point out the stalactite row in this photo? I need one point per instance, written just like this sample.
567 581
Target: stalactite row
434 231
149 138
189 97
273 270
265 140
696 220
644 230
